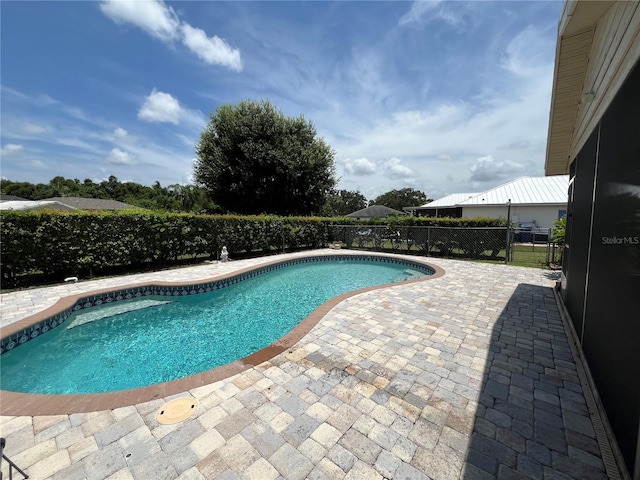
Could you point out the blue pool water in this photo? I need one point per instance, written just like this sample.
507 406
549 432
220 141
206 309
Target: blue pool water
191 334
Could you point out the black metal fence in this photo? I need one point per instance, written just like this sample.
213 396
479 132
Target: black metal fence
501 244
12 466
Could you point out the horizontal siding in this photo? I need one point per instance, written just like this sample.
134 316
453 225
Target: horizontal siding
616 49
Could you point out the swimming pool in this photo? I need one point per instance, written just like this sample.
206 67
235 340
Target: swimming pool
184 332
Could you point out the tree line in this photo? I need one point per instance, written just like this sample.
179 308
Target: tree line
172 198
190 198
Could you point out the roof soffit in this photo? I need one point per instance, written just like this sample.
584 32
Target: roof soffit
575 39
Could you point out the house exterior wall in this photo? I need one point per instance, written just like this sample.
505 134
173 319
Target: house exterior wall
544 216
594 133
451 212
601 268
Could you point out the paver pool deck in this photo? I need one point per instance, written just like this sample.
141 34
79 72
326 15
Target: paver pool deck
466 376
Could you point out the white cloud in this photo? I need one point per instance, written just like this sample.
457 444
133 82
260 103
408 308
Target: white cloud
40 100
486 169
161 21
33 128
11 149
160 107
39 164
359 167
417 11
396 171
74 142
523 56
152 16
189 141
120 135
120 157
212 50
433 10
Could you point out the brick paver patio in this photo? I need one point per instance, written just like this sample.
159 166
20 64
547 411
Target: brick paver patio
467 376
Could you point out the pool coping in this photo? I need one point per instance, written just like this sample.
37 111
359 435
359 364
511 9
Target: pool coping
19 403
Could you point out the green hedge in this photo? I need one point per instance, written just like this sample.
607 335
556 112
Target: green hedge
71 243
67 243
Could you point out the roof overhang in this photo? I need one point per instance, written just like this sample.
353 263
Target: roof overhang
435 207
475 205
575 38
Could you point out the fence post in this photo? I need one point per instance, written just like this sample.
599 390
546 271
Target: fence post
428 240
507 245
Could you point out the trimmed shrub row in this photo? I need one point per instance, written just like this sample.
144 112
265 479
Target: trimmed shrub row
67 243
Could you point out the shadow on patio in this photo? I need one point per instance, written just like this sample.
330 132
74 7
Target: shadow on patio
532 419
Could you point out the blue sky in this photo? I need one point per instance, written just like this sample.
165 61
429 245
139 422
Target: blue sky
440 96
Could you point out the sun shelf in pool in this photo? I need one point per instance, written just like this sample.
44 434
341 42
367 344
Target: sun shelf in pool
113 310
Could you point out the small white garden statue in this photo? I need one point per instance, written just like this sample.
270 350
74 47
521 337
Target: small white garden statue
224 256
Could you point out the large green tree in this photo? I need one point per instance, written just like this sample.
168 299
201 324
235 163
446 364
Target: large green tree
344 202
397 199
253 159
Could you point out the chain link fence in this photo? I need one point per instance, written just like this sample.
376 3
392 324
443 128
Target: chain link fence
500 244
532 246
455 242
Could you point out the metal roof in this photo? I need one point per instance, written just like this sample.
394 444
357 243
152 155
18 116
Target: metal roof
83 203
444 202
524 191
32 204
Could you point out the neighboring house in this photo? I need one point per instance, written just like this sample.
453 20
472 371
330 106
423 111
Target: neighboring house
537 201
11 198
64 203
442 207
33 205
594 135
81 203
534 200
374 211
